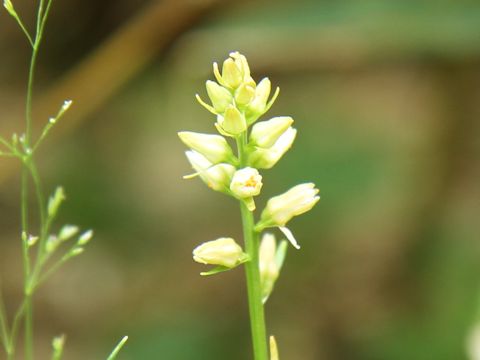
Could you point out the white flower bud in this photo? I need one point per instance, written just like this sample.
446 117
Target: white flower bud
280 209
52 243
7 4
246 182
265 133
217 177
32 240
224 252
58 343
267 158
67 232
85 238
66 105
232 123
219 96
214 147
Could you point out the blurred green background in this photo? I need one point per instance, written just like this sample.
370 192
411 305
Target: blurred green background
386 98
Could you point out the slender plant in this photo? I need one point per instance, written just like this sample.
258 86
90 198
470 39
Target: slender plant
44 249
238 102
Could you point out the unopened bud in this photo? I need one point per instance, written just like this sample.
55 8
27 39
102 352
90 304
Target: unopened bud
273 349
224 252
7 4
85 237
219 96
32 240
66 105
52 243
217 177
67 232
267 158
75 252
55 201
231 74
244 94
271 260
266 133
280 209
214 147
233 122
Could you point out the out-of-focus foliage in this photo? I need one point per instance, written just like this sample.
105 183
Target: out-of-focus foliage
387 98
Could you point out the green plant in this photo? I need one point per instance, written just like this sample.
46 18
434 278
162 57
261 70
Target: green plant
44 250
238 102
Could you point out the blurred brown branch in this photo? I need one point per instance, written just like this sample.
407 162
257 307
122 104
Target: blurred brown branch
115 62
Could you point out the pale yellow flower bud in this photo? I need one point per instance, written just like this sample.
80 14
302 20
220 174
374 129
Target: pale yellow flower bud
271 259
262 92
260 104
217 177
246 182
273 348
232 123
296 201
231 74
224 252
235 72
214 147
267 158
219 96
268 268
265 133
244 94
242 64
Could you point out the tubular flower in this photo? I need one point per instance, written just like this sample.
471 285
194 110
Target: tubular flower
219 96
223 251
267 158
214 147
217 177
260 104
271 259
232 123
265 133
280 209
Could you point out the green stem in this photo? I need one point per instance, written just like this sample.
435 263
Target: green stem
28 327
4 337
252 272
28 137
26 265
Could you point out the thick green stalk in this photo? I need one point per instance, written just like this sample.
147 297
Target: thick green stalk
252 271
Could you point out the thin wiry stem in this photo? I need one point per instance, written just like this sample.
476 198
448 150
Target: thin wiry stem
4 337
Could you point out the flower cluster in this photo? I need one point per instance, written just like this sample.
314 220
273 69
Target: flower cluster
238 102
